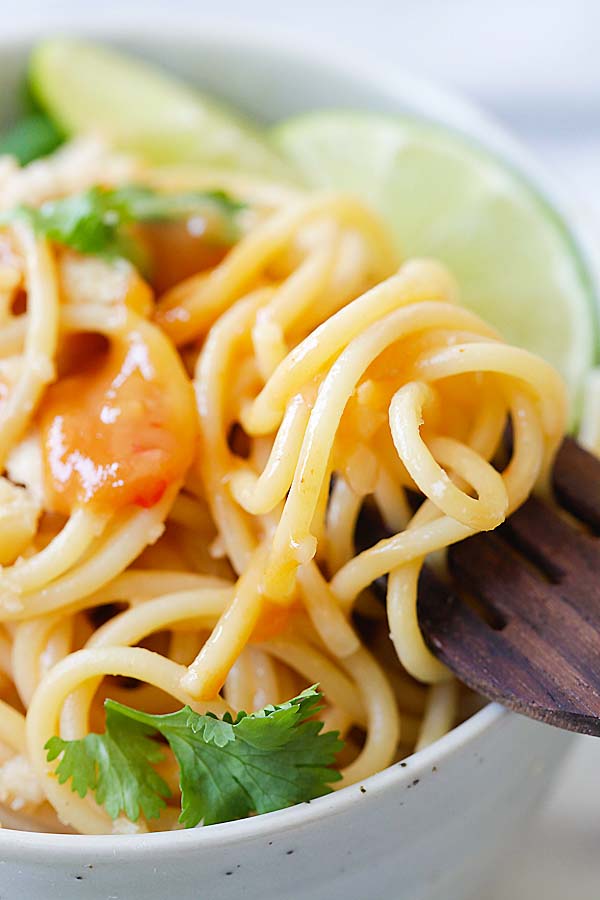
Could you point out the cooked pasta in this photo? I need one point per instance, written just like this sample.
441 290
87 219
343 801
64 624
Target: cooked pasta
184 472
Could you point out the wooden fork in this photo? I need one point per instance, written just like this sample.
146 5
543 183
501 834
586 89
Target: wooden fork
521 622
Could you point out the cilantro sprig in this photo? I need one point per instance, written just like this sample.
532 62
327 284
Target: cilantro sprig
98 221
228 768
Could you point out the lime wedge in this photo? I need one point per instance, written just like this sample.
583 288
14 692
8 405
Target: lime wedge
88 88
512 255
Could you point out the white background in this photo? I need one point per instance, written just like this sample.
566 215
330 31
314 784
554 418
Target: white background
536 65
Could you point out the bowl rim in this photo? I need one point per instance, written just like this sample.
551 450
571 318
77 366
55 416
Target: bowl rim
435 102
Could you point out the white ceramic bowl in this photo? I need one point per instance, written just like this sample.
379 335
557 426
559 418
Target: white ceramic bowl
427 829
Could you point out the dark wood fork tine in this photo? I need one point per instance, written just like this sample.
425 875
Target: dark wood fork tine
552 543
570 556
490 569
510 666
454 633
576 482
495 573
502 669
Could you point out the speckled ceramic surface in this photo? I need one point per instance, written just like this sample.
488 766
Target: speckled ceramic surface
425 830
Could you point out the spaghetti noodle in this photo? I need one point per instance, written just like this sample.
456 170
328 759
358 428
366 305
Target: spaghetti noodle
203 459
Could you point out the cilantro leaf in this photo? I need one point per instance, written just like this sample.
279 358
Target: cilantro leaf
116 765
32 136
228 768
96 221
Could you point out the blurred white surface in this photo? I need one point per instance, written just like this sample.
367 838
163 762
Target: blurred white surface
544 50
536 65
560 859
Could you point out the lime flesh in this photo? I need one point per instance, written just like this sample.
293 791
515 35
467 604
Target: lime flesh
88 88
